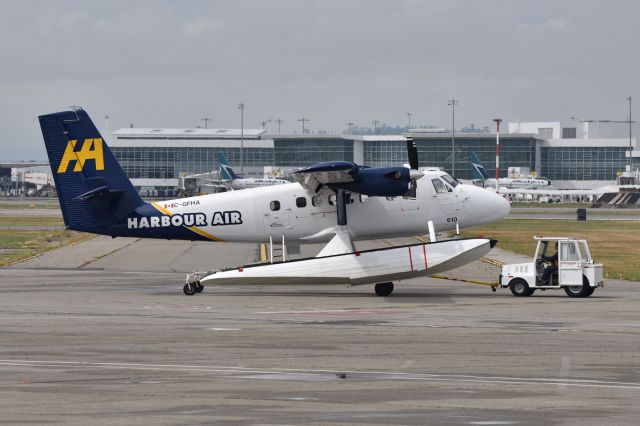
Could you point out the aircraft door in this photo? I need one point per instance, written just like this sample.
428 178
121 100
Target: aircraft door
300 217
276 217
569 267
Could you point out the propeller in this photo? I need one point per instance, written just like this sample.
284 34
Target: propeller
414 173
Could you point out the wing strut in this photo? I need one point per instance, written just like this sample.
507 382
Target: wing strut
341 203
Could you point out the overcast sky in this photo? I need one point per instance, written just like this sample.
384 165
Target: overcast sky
169 63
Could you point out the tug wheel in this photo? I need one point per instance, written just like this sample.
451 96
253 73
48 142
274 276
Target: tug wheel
520 288
189 289
384 289
584 290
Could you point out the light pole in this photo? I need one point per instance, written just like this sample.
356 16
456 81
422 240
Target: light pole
241 108
409 115
206 120
279 121
630 147
303 120
106 124
498 121
350 125
375 126
452 103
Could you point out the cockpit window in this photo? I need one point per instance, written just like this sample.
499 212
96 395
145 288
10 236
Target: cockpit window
451 181
439 186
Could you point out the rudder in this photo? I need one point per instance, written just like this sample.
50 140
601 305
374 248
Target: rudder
479 172
226 172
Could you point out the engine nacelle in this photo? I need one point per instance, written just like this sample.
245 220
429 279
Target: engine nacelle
378 181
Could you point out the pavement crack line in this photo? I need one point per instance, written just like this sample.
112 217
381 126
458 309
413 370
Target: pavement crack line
96 258
295 374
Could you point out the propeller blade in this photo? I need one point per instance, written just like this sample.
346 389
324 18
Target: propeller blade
412 151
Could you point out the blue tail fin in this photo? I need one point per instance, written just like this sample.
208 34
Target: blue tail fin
226 172
479 172
95 195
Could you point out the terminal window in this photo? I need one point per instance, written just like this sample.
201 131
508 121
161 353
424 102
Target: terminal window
568 133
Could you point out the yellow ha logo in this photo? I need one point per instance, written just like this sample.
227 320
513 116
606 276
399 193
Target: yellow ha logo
91 150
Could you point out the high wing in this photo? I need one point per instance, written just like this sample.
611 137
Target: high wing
372 181
336 172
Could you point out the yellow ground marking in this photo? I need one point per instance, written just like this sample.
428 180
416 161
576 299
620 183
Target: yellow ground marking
263 253
492 284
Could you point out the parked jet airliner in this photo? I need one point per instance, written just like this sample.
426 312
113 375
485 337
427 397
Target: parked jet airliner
233 181
480 173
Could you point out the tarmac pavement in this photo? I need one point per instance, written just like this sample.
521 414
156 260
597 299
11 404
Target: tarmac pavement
101 333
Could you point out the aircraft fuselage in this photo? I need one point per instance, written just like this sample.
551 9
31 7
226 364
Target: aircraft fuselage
253 215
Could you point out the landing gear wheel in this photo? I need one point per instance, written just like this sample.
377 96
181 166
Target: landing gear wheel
199 287
520 288
584 290
189 289
384 289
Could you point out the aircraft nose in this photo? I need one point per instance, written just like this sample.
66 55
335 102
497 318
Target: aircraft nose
485 206
502 206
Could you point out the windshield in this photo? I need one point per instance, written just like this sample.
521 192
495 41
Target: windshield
584 250
451 181
439 185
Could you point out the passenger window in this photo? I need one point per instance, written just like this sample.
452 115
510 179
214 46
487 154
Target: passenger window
364 198
301 202
316 200
439 186
274 206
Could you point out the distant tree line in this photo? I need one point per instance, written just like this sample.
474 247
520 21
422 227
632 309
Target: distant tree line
385 129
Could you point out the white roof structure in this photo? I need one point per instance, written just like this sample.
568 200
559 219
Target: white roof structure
142 133
373 138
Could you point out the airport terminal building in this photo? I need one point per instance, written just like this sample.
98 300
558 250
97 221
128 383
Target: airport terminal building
156 159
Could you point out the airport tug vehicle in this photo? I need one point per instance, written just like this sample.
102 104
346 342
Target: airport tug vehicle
576 273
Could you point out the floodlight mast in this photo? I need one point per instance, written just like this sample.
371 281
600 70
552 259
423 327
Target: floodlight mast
350 125
498 121
630 146
452 103
241 108
303 120
206 121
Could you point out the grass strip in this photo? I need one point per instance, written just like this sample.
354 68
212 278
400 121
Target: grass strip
31 221
16 245
34 205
